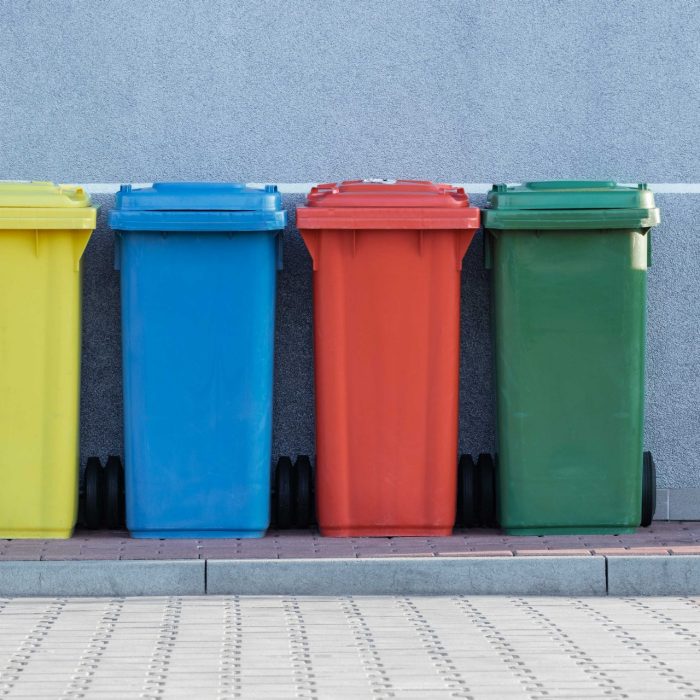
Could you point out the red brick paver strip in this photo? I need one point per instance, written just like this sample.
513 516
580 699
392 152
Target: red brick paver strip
685 549
631 551
663 538
478 553
531 552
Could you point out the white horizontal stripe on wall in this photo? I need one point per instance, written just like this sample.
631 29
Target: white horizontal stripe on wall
304 187
471 187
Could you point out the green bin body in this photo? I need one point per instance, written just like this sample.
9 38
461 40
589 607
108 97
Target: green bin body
569 278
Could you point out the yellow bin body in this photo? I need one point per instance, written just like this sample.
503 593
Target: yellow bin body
44 229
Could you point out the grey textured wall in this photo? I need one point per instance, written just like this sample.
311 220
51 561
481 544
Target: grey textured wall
305 90
298 91
673 350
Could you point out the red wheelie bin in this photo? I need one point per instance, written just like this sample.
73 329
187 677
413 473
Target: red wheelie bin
387 258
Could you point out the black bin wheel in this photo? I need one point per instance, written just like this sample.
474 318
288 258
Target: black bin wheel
303 492
114 494
486 484
648 489
466 492
92 493
283 495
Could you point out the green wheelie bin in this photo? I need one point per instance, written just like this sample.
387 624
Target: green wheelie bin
569 280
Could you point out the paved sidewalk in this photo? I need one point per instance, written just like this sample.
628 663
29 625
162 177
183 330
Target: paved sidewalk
350 647
663 538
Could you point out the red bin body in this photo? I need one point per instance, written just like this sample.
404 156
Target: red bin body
387 258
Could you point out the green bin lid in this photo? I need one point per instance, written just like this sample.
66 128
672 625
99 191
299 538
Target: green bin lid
570 204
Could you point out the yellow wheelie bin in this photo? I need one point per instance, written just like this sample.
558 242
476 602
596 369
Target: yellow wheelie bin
44 229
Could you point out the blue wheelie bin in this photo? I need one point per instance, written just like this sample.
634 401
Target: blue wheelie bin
198 269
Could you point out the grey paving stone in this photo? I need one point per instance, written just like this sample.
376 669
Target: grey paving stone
662 503
684 504
654 575
101 578
404 576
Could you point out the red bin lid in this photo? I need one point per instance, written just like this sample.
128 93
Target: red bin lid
387 204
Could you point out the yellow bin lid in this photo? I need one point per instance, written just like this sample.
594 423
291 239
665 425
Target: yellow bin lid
43 205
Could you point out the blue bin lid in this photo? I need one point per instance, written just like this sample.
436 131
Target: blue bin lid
198 206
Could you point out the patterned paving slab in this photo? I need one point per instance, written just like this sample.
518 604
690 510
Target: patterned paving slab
350 647
663 538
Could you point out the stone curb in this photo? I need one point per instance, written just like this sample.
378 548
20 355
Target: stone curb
407 576
102 578
536 575
674 575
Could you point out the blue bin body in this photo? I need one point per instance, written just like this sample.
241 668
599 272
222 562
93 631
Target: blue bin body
198 316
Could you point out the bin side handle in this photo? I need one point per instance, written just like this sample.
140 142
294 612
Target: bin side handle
488 251
464 238
311 239
80 241
648 233
117 251
280 251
